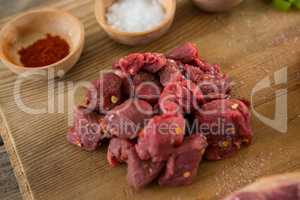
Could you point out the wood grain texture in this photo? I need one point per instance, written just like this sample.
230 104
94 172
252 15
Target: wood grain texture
8 186
15 6
250 43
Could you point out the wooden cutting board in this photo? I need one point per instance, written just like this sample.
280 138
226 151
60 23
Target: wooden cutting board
251 43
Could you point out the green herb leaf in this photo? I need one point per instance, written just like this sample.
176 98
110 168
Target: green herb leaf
283 5
296 3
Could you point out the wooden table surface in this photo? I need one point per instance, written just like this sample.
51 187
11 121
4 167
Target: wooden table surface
251 43
9 189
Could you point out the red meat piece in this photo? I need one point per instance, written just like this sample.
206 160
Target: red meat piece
207 68
279 187
182 166
170 72
185 53
105 93
180 96
143 85
154 62
213 84
118 151
126 120
160 136
188 54
226 124
140 173
133 63
86 132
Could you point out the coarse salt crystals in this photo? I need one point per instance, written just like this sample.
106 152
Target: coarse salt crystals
135 15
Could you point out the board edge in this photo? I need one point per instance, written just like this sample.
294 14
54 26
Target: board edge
14 159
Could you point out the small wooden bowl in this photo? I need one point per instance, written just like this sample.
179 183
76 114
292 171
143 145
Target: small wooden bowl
26 28
216 5
135 38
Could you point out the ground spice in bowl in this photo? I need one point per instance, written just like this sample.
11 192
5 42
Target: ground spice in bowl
46 51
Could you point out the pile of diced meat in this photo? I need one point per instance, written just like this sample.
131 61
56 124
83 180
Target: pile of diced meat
161 114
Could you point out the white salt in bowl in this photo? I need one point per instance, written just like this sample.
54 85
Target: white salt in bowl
135 38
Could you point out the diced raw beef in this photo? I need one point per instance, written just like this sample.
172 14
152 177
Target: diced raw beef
118 151
143 85
207 68
86 132
227 127
182 166
133 63
180 96
160 136
213 85
146 105
130 64
126 120
140 173
169 72
185 53
105 93
154 62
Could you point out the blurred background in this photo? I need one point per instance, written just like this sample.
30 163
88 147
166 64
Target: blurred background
10 7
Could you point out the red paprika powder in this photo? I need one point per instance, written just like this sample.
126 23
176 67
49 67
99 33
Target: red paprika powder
44 52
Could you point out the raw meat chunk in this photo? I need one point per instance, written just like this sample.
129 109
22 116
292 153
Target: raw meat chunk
188 54
207 68
118 151
105 93
141 173
130 64
185 53
154 62
212 84
279 187
143 85
133 63
182 166
180 96
149 91
227 127
169 72
127 119
86 132
208 77
160 136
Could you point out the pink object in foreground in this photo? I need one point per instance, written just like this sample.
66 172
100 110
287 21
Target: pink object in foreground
276 187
